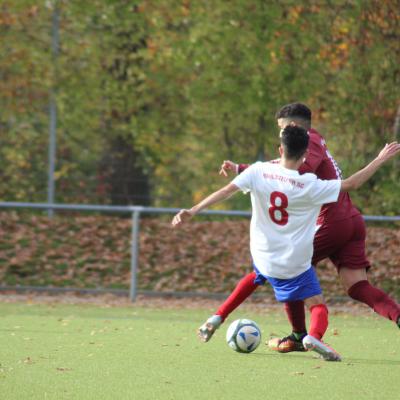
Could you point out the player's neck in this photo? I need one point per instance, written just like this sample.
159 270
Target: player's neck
290 164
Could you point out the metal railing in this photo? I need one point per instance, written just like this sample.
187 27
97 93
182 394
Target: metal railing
135 212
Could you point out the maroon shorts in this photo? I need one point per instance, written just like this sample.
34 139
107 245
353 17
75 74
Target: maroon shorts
343 242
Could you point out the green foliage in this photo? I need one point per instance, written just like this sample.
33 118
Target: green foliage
188 84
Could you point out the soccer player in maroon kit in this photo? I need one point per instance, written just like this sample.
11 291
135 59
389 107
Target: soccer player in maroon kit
340 236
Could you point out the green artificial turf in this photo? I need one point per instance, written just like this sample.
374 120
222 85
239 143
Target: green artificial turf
92 352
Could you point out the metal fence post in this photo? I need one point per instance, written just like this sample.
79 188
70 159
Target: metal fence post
53 110
134 253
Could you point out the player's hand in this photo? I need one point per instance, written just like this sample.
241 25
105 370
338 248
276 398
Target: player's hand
181 217
389 151
226 167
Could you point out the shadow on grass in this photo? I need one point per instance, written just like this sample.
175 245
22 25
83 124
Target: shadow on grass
351 361
347 361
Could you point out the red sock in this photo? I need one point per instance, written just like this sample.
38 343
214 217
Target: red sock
379 301
242 291
296 315
319 320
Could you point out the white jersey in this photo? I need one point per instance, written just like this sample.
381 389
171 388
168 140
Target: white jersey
285 210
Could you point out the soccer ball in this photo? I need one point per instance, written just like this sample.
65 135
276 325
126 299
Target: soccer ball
243 335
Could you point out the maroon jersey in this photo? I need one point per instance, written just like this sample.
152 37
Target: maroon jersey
321 163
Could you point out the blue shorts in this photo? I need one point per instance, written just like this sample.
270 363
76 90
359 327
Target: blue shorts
300 287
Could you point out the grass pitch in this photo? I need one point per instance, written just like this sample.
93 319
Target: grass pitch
92 352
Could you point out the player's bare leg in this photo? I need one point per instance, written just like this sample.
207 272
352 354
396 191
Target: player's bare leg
355 282
206 330
349 276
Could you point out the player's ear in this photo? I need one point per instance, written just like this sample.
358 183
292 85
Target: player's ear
280 150
305 155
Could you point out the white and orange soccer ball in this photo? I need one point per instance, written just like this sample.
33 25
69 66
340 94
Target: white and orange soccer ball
243 335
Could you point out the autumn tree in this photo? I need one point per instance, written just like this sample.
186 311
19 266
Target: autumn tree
153 95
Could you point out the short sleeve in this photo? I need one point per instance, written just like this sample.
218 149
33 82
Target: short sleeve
245 180
325 191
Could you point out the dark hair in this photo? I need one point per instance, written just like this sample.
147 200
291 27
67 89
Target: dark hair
294 140
294 110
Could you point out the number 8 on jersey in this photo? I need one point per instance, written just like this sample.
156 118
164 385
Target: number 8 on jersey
277 210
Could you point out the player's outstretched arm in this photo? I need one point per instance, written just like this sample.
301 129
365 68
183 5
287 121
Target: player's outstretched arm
220 195
357 179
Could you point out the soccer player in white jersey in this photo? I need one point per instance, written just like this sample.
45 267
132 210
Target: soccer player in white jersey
285 208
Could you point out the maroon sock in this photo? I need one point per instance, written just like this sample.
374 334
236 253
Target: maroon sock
296 315
319 320
379 301
242 291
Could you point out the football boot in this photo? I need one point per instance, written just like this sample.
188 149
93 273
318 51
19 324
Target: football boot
286 344
327 353
206 330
